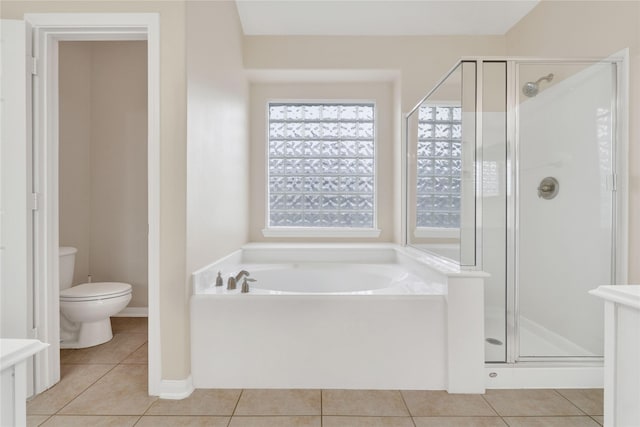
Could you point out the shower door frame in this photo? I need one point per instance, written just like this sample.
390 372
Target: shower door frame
619 226
541 372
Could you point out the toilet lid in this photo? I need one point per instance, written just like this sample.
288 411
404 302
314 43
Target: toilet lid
95 290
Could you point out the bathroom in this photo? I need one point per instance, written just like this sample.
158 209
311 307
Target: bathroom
103 169
200 170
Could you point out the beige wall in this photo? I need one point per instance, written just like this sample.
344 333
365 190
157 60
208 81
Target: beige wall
379 92
217 133
174 326
418 63
422 61
592 29
103 161
119 166
75 154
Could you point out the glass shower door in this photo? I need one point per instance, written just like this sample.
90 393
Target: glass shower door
564 206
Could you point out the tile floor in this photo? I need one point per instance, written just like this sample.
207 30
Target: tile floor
106 386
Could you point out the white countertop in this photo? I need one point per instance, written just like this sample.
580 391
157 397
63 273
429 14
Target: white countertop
13 351
628 295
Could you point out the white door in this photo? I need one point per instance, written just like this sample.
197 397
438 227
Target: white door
16 295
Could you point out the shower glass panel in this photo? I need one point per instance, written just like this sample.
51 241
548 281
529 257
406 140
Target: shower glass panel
564 206
494 207
441 150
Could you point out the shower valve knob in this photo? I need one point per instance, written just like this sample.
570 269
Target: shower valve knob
548 188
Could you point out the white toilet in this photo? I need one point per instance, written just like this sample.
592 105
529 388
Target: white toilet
86 309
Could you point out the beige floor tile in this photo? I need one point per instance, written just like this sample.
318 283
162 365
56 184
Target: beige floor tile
550 422
74 379
84 421
279 402
440 403
114 351
589 400
459 422
528 403
599 419
379 403
341 421
129 325
182 421
138 357
123 391
36 420
201 402
271 421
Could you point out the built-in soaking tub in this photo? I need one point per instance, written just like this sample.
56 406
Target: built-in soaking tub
338 316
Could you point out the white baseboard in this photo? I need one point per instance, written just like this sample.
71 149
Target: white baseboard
176 389
133 312
512 376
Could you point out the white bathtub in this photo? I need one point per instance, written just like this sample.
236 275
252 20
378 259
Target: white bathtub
323 278
337 316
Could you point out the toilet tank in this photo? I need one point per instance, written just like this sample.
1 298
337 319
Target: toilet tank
67 264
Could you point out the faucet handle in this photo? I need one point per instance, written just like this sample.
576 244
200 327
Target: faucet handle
219 279
245 285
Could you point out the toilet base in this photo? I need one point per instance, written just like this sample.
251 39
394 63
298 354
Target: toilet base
89 334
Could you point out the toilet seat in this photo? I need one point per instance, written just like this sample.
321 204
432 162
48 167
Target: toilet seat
95 291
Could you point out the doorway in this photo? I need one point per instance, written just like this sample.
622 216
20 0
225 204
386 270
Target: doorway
49 30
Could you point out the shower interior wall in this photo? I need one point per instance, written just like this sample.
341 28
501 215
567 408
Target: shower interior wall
566 131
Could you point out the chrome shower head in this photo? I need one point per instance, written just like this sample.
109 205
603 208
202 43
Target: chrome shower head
531 89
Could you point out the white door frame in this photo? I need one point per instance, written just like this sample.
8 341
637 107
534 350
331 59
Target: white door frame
49 29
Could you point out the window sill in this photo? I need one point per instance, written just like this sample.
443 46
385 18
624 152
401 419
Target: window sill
320 232
433 232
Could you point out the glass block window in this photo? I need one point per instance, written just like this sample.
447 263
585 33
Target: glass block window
321 165
439 166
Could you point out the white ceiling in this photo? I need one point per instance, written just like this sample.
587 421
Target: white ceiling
381 17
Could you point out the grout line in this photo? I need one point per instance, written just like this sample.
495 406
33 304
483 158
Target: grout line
46 419
113 366
567 399
137 421
233 413
407 416
87 387
407 407
491 406
131 354
321 410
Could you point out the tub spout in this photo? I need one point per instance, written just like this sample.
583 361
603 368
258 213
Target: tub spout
232 281
240 274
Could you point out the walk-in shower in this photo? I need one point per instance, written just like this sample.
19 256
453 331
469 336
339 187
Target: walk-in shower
515 174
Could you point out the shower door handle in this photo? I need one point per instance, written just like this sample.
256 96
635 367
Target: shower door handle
548 188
